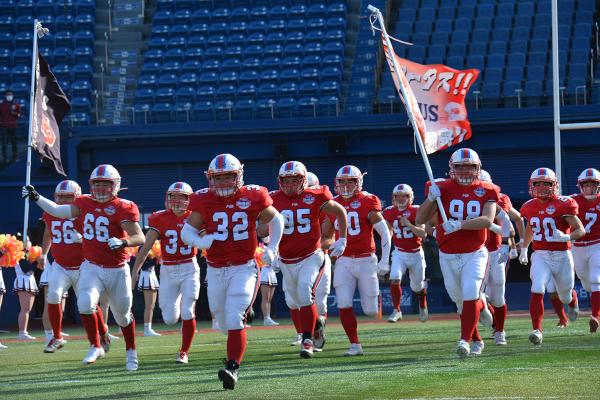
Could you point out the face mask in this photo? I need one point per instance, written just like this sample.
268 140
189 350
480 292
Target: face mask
9 98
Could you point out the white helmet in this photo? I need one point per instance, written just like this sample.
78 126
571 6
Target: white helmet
178 205
589 175
105 173
225 164
312 179
348 172
543 192
464 156
485 176
405 190
67 188
292 169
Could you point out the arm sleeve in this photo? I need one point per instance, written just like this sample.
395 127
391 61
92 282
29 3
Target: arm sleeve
191 236
59 211
386 239
505 223
275 231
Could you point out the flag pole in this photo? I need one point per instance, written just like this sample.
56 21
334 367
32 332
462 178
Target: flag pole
408 105
34 58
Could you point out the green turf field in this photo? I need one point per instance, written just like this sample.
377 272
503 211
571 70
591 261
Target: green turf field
404 360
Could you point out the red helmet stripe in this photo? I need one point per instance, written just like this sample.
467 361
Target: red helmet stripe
465 153
542 171
346 170
101 170
590 173
221 161
289 166
64 185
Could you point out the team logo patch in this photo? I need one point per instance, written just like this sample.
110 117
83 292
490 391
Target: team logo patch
550 209
406 214
243 203
479 192
110 210
309 199
355 204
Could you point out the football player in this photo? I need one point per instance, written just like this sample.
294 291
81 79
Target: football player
300 256
180 274
498 245
552 224
358 263
408 254
64 241
109 225
228 212
586 250
470 205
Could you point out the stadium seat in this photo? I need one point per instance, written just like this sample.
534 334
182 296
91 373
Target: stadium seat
244 109
247 91
191 66
162 112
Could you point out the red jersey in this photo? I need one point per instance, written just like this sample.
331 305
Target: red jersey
404 238
494 241
589 214
360 230
546 218
463 203
232 220
168 225
65 250
100 222
302 231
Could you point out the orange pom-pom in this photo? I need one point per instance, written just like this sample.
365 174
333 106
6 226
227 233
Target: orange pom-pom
155 253
12 251
260 249
34 254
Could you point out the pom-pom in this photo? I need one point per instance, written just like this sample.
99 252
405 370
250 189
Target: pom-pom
12 251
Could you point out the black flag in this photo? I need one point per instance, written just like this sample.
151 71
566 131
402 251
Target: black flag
49 108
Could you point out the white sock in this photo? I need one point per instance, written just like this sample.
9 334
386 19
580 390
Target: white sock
49 334
23 333
148 326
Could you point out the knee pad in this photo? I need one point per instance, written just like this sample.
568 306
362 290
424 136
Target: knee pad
85 306
123 320
370 306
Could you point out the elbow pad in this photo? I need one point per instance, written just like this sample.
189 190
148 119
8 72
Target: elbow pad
59 211
386 239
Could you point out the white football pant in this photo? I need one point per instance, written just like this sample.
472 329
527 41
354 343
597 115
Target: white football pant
231 292
179 289
60 280
495 283
414 263
553 265
350 272
300 280
463 274
324 287
115 283
587 266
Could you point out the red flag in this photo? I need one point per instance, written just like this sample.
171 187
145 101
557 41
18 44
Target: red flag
436 94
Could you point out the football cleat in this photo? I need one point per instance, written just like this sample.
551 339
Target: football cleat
423 314
26 336
477 348
182 357
229 374
562 324
93 354
319 333
131 360
151 333
105 342
54 345
270 322
535 337
395 316
354 350
573 312
306 350
593 324
500 338
3 346
463 349
298 340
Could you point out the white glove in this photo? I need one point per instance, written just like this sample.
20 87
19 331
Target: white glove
268 256
523 258
451 227
503 254
560 236
497 229
383 268
116 243
434 192
337 249
77 238
513 253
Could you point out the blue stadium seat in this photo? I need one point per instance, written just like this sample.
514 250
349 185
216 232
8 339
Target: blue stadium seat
475 61
62 55
583 29
185 94
85 7
294 50
182 17
277 25
145 95
275 38
437 50
21 73
267 90
247 91
278 12
239 14
228 78
85 22
234 51
147 82
157 44
503 22
296 37
83 38
321 24
328 106
501 35
44 7
180 30
498 48
480 36
484 23
493 75
516 60
173 55
457 62
579 57
466 11
491 93
285 107
254 51
171 67
463 24
337 10
244 109
20 89
519 46
317 11
257 27
485 11
270 63
523 20
459 36
269 76
332 60
200 29
256 39
289 75
220 15
167 81
251 63
457 50
152 67
440 38
416 53
309 74
7 24
521 33
292 62
330 88
536 72
273 50
541 32
443 25
203 111
506 9
81 105
309 88
63 39
188 79
6 41
288 89
307 106
206 93
515 74
496 61
191 66
331 73
298 11
83 54
22 57
333 35
249 77
162 112
426 14
538 58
